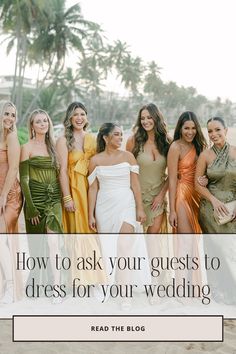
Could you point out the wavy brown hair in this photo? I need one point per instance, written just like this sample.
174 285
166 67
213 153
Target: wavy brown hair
199 140
162 140
68 125
49 138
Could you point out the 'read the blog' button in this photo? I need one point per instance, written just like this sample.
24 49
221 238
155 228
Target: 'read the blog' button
87 328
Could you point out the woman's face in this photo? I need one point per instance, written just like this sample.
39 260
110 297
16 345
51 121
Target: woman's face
40 123
146 121
79 119
188 131
114 139
217 132
9 117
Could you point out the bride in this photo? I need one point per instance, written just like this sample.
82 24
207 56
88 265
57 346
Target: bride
115 203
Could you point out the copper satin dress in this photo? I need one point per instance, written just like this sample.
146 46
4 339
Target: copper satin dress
186 195
11 215
14 198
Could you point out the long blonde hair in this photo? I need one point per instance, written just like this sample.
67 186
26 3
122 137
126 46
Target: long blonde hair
3 106
49 137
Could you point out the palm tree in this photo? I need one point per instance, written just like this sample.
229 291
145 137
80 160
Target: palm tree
130 71
64 34
17 20
152 81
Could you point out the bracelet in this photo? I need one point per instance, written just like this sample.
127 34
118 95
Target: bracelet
67 198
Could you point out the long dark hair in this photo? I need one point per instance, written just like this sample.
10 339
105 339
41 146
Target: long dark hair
162 140
104 130
219 119
199 140
67 123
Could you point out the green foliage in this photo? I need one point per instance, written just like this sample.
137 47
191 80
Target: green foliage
23 135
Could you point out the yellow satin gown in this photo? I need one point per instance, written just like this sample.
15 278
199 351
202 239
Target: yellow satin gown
77 222
78 162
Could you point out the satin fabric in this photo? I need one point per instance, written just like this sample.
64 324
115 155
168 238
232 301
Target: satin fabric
11 215
221 175
152 178
41 189
14 198
186 195
78 162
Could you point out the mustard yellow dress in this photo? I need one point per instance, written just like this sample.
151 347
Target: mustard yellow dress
77 222
78 162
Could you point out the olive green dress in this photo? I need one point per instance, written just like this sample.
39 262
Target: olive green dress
152 177
222 184
41 189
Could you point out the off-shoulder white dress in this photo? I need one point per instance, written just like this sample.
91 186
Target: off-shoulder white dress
115 200
115 205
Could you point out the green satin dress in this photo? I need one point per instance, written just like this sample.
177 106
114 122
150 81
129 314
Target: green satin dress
152 177
41 189
222 184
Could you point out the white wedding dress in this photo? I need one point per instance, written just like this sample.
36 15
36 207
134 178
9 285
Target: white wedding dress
115 205
115 200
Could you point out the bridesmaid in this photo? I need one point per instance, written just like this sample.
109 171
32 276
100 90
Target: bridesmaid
219 164
188 143
74 151
150 145
10 196
39 177
41 189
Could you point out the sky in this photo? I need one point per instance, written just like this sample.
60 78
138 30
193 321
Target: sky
193 41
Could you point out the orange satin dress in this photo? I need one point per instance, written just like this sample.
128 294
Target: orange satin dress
14 198
186 195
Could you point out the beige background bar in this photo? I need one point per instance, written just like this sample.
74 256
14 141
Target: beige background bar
80 328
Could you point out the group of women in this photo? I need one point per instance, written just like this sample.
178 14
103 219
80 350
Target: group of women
83 185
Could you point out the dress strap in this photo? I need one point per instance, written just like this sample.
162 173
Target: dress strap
92 176
134 168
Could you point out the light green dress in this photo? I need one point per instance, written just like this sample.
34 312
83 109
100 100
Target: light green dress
152 177
222 184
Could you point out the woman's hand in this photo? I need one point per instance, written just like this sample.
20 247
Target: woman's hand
203 181
92 223
35 221
3 202
70 206
141 216
219 207
157 202
173 219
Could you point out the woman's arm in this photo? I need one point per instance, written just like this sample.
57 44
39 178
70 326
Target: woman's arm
130 143
62 153
158 200
31 212
92 197
201 167
13 154
172 163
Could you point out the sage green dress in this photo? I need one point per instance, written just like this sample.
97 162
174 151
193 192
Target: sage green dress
152 177
221 176
41 189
